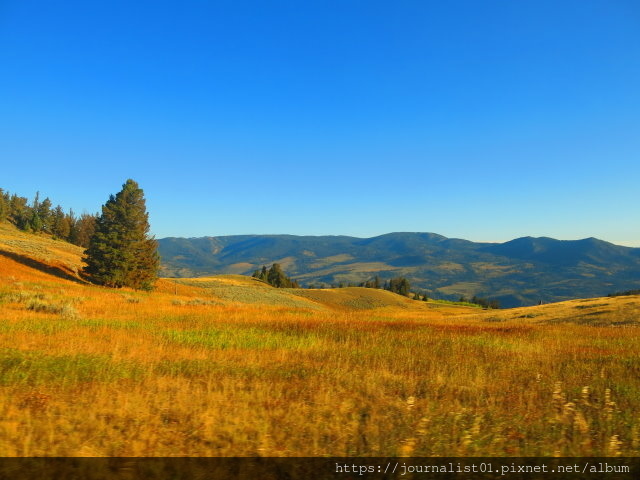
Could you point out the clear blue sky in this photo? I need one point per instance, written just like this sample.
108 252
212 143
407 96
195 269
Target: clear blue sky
485 120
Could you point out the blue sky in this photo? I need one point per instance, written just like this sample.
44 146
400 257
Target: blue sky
481 120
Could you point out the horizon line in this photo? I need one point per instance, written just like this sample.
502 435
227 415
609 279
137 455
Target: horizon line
621 244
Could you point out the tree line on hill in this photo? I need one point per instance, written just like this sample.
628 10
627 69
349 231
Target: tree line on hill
40 216
276 277
402 286
119 250
483 302
399 285
625 293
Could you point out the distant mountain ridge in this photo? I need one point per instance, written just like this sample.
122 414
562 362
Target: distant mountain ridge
522 271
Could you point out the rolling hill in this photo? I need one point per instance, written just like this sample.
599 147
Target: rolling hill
520 272
25 257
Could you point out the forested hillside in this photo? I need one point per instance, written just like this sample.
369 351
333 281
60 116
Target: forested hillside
524 271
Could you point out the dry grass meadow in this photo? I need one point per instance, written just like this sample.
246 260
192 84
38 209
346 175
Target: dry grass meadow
225 366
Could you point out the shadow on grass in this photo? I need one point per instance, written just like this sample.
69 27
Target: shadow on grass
43 267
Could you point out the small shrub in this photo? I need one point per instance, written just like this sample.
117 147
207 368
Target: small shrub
38 305
21 296
65 311
195 302
68 312
200 301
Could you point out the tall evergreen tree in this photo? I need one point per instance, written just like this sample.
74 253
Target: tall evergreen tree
261 274
275 276
82 228
4 206
44 213
35 224
60 223
121 253
19 212
398 285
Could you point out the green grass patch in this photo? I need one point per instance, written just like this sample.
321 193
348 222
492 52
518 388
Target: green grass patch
451 302
252 338
47 327
99 324
207 369
36 368
20 296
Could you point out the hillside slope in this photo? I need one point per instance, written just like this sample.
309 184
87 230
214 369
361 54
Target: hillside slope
26 257
37 259
521 272
41 252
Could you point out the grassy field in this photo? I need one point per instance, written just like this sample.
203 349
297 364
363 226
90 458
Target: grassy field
226 367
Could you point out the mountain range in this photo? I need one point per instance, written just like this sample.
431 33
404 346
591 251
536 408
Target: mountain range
523 271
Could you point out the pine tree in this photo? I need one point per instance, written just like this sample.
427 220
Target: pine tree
19 212
261 274
399 285
404 286
44 213
35 223
275 276
60 223
121 253
4 206
82 228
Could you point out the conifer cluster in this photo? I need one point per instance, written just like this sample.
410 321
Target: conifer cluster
119 251
275 276
483 302
399 285
40 216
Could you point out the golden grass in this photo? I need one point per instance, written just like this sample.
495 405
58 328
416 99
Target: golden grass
236 280
89 371
41 248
